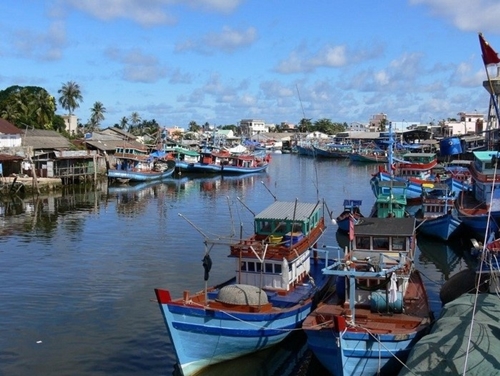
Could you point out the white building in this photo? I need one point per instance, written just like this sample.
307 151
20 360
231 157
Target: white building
358 127
71 123
468 124
251 127
10 135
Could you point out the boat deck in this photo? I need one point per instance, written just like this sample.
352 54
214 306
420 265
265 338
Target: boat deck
416 313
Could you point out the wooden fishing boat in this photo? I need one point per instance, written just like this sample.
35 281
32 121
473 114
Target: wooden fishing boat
140 167
337 151
380 307
391 199
227 163
278 277
479 208
351 211
435 218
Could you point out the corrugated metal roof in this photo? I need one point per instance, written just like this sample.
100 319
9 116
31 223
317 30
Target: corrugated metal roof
45 139
299 211
385 226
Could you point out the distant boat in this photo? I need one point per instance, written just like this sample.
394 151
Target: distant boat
380 307
227 163
140 167
337 151
277 279
369 156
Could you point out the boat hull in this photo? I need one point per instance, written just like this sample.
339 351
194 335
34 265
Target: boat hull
376 342
442 227
203 336
218 169
141 175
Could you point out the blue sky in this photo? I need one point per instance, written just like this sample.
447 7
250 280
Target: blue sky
220 61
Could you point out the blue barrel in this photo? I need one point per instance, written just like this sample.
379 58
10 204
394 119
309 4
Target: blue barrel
450 146
294 238
378 303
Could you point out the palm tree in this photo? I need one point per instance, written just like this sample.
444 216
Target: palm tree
97 114
43 106
123 123
70 96
135 119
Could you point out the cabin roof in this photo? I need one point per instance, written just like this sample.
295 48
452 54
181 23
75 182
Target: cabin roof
484 156
298 211
393 184
385 227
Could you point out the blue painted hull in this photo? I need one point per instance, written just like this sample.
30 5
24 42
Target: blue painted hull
414 189
359 353
202 337
141 176
217 169
442 227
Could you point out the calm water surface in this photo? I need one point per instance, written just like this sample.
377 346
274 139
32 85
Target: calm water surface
78 268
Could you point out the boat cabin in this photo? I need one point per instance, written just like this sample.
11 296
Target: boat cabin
387 236
437 200
419 157
391 199
278 255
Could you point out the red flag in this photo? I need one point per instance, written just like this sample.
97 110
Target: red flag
489 54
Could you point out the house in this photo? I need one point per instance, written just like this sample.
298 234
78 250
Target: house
71 124
10 135
251 127
51 155
10 138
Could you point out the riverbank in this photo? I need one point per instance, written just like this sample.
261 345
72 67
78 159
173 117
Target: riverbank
17 184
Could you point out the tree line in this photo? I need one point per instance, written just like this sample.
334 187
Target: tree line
33 107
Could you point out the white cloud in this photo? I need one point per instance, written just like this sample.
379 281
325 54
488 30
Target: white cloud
147 12
137 66
228 40
470 15
41 45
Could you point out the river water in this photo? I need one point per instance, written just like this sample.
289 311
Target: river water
78 268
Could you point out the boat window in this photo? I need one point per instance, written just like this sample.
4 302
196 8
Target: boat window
243 266
268 267
380 243
251 266
258 266
398 243
363 242
277 268
266 226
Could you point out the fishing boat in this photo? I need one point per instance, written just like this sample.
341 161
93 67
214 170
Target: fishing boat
227 163
369 156
337 151
351 211
380 307
183 157
132 166
435 217
391 199
277 279
479 208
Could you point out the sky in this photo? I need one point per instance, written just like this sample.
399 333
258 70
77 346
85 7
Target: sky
221 61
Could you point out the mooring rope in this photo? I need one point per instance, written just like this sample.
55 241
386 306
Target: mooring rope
351 324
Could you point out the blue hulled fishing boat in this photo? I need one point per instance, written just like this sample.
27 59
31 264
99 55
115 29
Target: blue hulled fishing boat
380 308
278 277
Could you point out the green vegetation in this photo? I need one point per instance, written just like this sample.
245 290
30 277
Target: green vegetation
34 107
